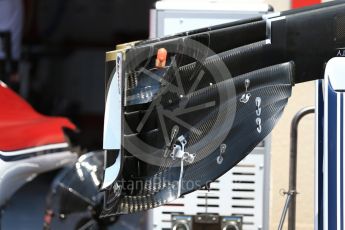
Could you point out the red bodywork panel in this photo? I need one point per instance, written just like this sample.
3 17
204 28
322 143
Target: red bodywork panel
302 3
22 127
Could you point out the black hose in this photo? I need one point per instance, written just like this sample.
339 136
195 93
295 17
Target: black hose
293 163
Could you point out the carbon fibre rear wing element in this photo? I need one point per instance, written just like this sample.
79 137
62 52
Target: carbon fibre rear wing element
184 109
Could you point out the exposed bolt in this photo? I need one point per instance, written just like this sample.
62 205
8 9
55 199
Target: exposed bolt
62 216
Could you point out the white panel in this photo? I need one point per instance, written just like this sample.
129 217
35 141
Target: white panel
176 25
242 5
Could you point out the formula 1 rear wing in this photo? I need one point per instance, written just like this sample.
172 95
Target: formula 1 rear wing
177 105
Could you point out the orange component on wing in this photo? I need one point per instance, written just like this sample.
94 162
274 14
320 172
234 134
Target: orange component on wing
161 59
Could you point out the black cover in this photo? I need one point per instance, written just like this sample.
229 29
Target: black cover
74 201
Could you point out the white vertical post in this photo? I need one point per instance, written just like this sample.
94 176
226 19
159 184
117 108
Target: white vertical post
333 145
